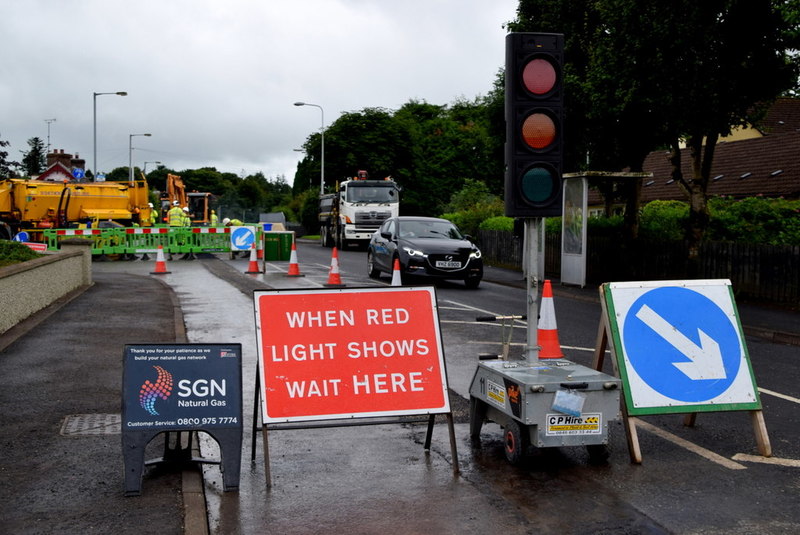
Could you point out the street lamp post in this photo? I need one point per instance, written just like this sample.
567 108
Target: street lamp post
94 129
322 143
130 156
145 165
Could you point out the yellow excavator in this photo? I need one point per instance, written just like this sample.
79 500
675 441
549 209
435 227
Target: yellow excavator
199 203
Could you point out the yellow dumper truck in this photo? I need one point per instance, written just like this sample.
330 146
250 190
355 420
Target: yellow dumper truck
35 205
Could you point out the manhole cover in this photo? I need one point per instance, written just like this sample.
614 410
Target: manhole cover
91 424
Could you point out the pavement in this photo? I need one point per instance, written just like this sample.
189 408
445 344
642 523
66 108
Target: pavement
59 411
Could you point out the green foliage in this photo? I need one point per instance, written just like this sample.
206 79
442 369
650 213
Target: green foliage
552 225
499 222
302 208
469 220
665 220
5 164
639 76
472 194
12 252
755 220
428 149
751 220
471 205
119 174
34 159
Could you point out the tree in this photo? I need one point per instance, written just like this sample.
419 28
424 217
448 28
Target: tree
35 159
643 75
5 164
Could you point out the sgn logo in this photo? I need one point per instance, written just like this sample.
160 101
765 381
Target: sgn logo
149 392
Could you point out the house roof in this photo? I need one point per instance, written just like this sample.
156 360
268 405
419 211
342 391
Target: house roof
767 166
56 172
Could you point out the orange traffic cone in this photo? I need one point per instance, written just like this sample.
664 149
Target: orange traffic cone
260 249
334 280
547 336
161 266
396 279
294 268
252 268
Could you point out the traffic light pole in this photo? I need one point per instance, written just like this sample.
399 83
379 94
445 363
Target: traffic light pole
533 249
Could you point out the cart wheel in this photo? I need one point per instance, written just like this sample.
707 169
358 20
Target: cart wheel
516 443
598 453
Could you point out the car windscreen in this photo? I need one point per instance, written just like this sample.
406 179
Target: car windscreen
429 229
371 194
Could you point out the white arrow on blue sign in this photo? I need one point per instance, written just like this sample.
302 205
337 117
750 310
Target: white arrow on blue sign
681 344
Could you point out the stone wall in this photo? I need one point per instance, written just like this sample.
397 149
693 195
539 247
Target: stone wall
28 287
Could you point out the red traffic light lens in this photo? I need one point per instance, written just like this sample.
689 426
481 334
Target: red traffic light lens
539 76
539 185
538 130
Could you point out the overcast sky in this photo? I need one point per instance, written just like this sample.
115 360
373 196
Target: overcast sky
214 81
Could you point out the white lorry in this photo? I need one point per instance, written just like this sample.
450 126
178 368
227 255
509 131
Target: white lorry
359 207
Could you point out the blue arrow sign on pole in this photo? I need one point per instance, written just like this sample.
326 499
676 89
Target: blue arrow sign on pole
682 344
242 238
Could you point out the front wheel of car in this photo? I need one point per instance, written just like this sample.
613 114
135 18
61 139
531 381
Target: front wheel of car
372 270
472 283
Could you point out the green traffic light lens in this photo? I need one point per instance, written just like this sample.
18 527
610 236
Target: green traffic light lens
539 185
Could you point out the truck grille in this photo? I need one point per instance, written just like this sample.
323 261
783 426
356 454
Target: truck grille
372 217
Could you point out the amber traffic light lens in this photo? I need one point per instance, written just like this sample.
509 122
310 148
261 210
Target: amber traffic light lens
538 130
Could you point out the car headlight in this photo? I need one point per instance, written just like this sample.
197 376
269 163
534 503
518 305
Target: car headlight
413 252
476 253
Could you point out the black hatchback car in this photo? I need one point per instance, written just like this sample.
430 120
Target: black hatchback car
426 247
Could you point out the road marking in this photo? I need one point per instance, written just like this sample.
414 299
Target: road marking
694 448
779 395
793 463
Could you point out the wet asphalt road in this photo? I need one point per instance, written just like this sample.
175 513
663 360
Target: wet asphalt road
373 479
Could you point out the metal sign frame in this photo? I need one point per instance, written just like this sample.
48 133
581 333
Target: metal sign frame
650 365
181 387
347 324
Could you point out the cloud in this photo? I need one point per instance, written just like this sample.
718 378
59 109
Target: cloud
214 82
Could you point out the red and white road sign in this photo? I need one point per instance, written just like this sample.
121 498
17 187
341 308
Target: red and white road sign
38 247
348 353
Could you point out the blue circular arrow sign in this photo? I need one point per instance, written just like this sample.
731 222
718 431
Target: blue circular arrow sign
682 344
242 238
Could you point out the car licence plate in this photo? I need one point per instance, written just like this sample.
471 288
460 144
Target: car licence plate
448 264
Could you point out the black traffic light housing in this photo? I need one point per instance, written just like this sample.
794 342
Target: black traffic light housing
534 108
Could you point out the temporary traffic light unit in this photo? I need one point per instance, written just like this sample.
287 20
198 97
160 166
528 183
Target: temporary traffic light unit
534 124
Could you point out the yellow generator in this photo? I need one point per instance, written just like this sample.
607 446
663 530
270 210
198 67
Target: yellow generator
32 205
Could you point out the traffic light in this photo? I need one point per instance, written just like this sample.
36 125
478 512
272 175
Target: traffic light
534 107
